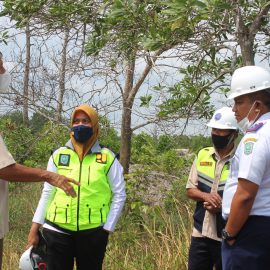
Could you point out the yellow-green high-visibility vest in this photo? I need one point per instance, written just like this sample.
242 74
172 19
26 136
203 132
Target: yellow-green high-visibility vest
206 165
91 206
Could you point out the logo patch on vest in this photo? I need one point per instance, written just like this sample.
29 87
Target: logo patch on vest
64 160
248 148
206 163
101 158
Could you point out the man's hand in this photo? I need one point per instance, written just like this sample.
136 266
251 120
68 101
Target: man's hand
211 208
213 199
63 183
20 173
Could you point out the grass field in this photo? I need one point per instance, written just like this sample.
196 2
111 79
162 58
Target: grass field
151 238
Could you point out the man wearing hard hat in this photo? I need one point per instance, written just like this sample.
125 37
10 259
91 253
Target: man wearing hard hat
246 199
205 185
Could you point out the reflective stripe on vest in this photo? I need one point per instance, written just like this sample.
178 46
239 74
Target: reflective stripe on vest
91 206
206 166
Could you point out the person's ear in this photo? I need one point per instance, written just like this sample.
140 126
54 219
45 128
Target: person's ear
258 105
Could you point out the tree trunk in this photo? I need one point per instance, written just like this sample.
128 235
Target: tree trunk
62 77
126 134
247 51
245 40
129 94
246 33
26 76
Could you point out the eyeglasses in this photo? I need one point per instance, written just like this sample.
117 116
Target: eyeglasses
84 121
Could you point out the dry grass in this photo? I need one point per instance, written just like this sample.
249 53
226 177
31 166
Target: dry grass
23 200
159 243
158 239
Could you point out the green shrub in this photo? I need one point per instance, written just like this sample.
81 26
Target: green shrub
17 138
47 140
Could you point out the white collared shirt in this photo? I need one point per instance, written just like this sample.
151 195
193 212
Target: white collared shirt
252 162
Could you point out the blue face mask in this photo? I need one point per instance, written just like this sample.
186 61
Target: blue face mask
82 133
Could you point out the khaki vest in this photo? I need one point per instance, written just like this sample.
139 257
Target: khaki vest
91 206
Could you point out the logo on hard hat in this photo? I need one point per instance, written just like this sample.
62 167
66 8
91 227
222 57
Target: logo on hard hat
218 116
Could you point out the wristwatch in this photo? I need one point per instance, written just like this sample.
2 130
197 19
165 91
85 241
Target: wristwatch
226 236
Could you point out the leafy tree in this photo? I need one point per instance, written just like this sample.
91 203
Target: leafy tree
124 33
131 29
129 38
220 44
50 64
239 23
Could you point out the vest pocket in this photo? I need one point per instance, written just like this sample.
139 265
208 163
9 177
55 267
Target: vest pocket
65 171
93 214
60 211
104 212
88 178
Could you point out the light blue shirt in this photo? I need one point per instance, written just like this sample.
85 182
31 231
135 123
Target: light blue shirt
252 162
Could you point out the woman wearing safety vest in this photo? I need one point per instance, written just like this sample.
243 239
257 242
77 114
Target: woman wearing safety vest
205 185
78 229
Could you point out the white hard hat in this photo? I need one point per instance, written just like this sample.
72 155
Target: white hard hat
25 261
223 119
34 258
249 79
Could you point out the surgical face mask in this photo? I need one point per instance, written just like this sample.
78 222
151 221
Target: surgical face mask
245 123
82 133
220 142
